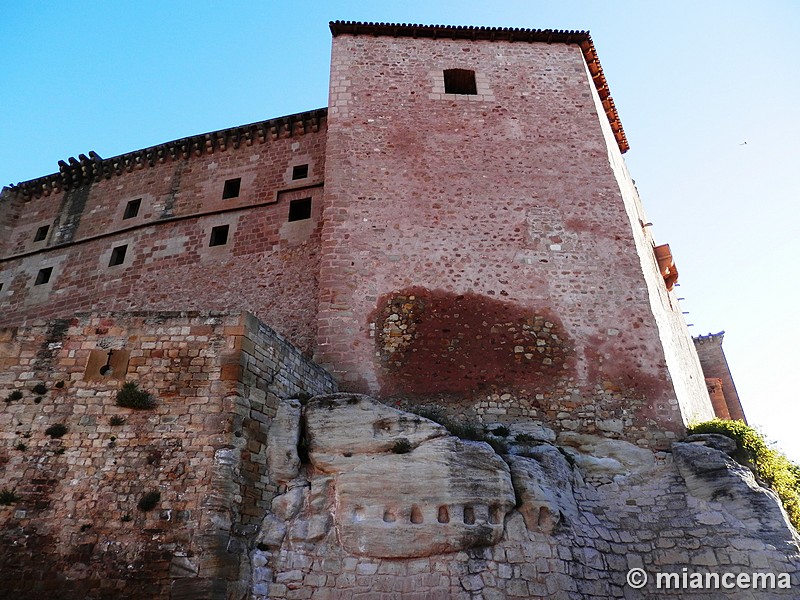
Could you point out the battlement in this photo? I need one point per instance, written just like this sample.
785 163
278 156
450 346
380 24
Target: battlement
84 170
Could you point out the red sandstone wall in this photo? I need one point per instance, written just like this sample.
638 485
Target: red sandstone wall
500 208
269 266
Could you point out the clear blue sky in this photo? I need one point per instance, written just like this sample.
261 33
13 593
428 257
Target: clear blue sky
692 81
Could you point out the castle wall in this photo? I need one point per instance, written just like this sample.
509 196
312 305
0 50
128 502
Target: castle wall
715 366
478 247
75 531
683 364
268 265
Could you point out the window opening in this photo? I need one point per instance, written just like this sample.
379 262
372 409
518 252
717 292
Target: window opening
300 172
132 208
43 276
118 255
231 189
460 81
300 209
41 233
219 235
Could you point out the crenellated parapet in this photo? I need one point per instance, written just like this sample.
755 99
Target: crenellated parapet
84 170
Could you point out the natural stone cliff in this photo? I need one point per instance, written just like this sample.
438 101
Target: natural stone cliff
379 503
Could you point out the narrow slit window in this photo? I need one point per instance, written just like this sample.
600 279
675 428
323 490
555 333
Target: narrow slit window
43 276
300 172
300 210
41 233
231 189
460 81
118 255
2 283
132 208
219 235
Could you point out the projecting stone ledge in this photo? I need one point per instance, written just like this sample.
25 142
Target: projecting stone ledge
400 486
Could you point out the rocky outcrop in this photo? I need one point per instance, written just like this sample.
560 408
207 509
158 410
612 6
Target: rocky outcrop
402 486
543 481
599 456
728 487
388 503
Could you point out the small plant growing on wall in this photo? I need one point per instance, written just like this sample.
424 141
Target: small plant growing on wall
149 501
500 431
21 446
116 421
8 497
13 396
56 431
39 389
130 396
401 446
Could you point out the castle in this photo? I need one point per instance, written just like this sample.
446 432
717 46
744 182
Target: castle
457 228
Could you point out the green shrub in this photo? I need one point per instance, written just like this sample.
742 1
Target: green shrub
401 446
39 389
21 446
8 497
499 446
500 431
56 431
116 420
149 501
524 438
15 395
770 466
130 396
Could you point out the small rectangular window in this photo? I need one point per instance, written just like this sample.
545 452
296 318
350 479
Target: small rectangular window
300 172
460 81
231 189
41 233
43 276
219 235
132 209
300 209
118 255
2 283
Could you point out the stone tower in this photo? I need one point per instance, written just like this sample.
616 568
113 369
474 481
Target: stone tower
484 243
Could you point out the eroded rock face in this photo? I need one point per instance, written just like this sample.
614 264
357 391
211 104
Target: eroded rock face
543 481
598 456
284 434
713 477
402 486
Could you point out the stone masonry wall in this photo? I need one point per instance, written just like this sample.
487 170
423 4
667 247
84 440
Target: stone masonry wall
267 266
467 236
75 531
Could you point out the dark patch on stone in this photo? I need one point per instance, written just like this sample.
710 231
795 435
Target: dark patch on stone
174 186
70 213
433 341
